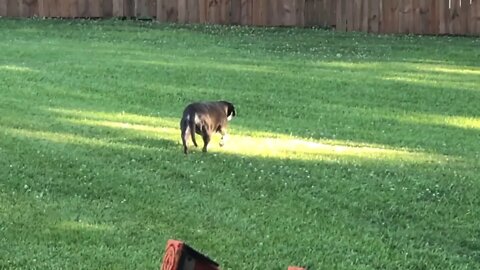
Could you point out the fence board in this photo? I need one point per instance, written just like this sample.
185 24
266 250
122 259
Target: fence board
117 8
299 8
29 8
213 12
202 12
225 7
13 9
349 11
236 12
357 14
373 16
365 15
182 11
443 16
273 17
431 16
405 17
322 12
63 9
192 12
310 18
246 13
341 24
129 8
475 17
423 16
454 16
167 11
390 16
3 8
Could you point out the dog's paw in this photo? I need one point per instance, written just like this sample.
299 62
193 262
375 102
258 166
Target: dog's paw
222 143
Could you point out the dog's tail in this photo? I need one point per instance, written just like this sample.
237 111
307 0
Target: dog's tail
187 125
191 123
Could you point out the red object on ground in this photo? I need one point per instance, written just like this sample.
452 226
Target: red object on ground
296 268
179 256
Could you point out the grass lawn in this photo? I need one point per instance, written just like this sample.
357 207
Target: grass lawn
350 151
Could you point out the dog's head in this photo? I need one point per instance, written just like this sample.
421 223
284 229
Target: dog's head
230 108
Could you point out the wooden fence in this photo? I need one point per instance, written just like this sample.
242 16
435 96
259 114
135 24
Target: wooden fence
460 17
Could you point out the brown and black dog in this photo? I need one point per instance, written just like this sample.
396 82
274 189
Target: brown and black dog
206 118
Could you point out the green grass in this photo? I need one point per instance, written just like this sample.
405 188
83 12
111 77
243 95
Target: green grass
350 151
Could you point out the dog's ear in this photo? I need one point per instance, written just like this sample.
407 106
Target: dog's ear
231 110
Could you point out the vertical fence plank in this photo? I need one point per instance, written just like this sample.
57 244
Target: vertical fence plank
53 8
225 14
202 11
129 8
373 15
365 19
142 8
405 16
273 18
391 16
443 16
309 12
82 8
117 8
246 13
340 22
13 8
464 17
193 15
432 17
182 11
349 12
424 17
41 8
73 8
321 13
212 11
64 9
299 13
257 12
28 8
471 19
357 15
236 12
152 8
454 17
332 6
3 8
476 16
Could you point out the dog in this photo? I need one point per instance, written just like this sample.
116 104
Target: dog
205 119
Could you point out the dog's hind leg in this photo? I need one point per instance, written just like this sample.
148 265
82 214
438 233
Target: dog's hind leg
206 139
184 141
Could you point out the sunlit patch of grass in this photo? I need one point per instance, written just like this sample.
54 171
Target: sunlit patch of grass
125 117
444 120
451 70
67 138
82 225
262 145
16 68
295 148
